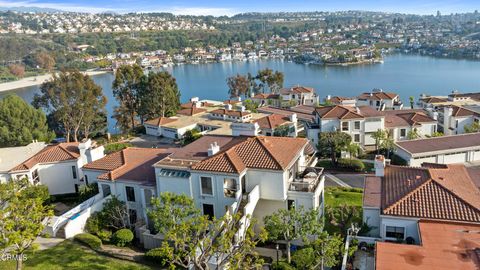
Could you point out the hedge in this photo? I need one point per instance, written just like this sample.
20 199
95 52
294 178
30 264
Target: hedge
89 239
122 237
104 235
351 164
282 266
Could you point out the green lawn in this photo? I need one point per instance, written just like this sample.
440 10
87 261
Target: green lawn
327 164
335 196
70 255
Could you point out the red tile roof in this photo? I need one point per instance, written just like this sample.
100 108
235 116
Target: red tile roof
338 112
444 246
445 193
133 164
433 100
271 153
191 111
231 112
297 90
160 121
404 118
377 96
52 153
462 112
272 121
304 116
266 96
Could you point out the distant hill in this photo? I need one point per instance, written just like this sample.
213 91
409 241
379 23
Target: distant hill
30 9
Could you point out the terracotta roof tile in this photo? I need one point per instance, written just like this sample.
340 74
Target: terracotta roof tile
272 121
446 193
404 118
304 116
191 111
272 153
231 112
338 112
133 164
297 90
377 96
52 153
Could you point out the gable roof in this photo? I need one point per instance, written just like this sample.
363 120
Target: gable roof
191 111
402 118
231 112
271 153
338 112
462 112
438 192
297 90
272 121
304 114
434 99
51 153
378 95
160 121
134 164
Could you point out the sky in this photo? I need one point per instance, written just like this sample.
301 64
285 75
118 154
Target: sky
227 7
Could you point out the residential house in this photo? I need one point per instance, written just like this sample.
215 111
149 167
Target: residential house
263 99
380 100
298 95
409 124
443 150
344 101
358 122
55 165
278 125
128 174
453 119
397 198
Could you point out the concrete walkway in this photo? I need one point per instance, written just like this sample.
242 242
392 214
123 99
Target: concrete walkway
336 180
46 243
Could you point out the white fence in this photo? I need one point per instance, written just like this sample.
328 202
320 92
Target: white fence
76 224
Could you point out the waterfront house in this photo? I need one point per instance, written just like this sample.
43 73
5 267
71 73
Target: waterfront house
298 95
55 165
380 100
401 123
278 125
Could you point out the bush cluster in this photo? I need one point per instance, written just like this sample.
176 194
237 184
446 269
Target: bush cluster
158 256
351 164
122 237
90 240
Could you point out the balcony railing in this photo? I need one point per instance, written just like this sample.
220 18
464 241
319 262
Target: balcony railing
307 181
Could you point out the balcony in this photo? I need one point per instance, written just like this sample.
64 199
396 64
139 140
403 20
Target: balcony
307 181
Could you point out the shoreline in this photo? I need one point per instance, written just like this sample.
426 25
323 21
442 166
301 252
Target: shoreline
36 80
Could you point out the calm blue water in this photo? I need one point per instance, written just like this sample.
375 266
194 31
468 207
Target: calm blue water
408 75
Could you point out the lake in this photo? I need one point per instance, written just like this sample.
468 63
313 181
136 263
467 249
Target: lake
407 75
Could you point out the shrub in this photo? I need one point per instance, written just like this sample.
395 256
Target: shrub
282 266
351 164
93 224
90 240
105 235
122 237
115 147
304 258
157 255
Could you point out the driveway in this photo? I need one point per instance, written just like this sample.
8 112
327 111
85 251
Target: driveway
147 141
344 179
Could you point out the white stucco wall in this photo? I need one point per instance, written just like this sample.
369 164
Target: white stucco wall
410 225
272 183
58 177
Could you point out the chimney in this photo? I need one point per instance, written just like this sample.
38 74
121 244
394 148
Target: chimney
84 148
328 97
293 118
194 99
242 108
379 165
213 149
228 107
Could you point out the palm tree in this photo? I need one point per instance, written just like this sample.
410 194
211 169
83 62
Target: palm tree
353 149
412 101
389 145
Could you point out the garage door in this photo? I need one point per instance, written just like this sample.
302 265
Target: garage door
456 158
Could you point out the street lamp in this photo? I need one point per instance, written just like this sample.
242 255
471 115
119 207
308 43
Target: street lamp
277 247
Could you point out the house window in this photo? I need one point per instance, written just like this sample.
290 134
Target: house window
130 194
229 187
106 190
207 187
290 204
132 215
35 177
356 138
357 125
148 196
395 232
208 210
74 172
403 132
378 103
344 126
